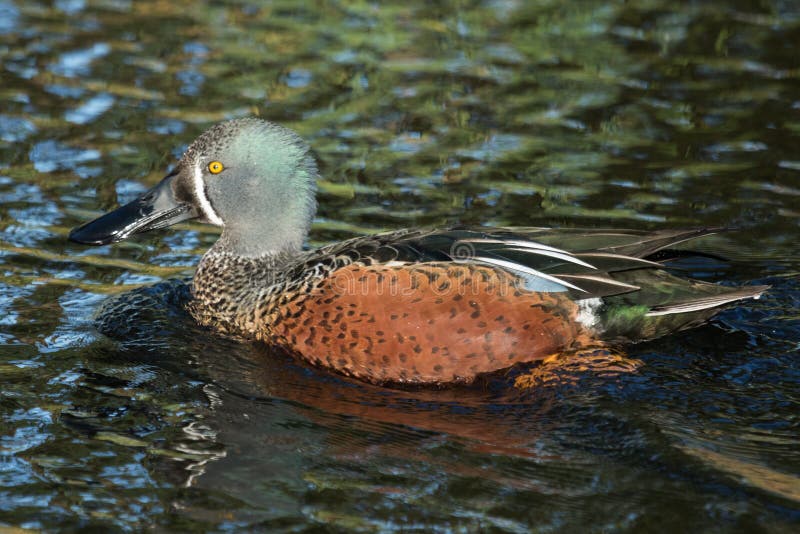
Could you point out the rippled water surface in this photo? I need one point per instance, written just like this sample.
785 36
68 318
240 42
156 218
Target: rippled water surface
602 114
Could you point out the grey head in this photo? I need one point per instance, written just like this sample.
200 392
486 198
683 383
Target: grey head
255 179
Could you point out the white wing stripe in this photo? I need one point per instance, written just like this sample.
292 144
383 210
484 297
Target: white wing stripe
514 242
524 269
552 254
534 248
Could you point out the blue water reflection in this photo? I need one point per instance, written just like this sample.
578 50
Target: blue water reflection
597 114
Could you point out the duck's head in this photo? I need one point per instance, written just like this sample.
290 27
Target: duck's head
253 178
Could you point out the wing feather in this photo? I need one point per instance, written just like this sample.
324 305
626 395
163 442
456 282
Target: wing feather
585 263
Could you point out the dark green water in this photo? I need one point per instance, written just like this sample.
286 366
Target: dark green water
630 114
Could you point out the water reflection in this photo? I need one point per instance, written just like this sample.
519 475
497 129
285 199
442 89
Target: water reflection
499 112
49 156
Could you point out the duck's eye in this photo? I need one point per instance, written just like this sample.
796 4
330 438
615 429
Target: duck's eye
215 167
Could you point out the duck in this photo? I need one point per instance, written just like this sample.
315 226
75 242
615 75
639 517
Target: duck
414 306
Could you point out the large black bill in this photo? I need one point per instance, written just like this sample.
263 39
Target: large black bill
157 208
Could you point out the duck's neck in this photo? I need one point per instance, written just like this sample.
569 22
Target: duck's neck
240 275
266 239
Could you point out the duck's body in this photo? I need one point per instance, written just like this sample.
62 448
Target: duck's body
403 307
433 306
385 319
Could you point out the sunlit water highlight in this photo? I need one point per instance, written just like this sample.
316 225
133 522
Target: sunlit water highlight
642 115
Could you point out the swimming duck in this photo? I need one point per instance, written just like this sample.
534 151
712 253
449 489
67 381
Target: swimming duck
409 306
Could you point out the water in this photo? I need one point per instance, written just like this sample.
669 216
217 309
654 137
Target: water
627 114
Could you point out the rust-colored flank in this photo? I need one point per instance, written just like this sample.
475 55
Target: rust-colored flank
425 322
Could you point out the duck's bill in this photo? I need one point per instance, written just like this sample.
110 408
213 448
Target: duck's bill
157 208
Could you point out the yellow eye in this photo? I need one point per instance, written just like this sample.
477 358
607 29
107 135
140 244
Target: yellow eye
215 167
